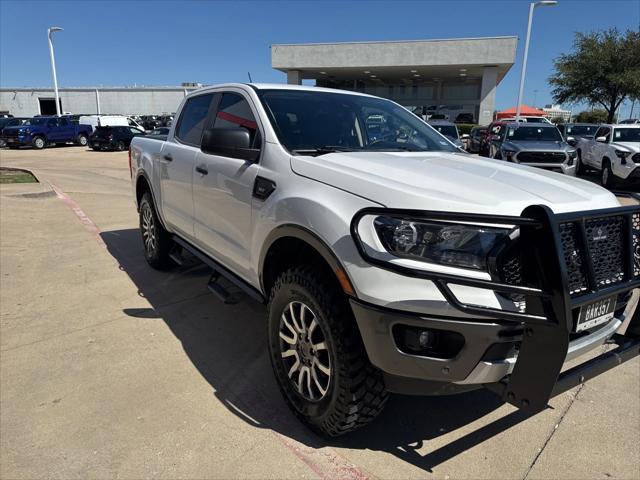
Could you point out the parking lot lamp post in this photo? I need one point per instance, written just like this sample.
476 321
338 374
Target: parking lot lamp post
532 6
53 66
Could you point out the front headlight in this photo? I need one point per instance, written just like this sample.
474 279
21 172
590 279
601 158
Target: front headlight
622 154
572 154
456 245
508 153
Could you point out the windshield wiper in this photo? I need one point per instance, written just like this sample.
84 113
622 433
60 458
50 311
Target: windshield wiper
323 150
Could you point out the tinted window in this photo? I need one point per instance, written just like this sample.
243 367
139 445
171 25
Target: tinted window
135 131
308 121
626 135
525 133
603 132
192 119
234 112
584 130
447 130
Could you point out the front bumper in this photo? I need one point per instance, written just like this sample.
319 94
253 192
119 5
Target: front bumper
19 141
541 330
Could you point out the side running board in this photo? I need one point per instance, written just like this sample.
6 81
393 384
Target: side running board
219 272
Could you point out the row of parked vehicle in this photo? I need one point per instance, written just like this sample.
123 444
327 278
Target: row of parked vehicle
100 132
613 150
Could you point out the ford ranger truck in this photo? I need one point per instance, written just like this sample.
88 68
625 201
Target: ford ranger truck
39 132
614 150
389 261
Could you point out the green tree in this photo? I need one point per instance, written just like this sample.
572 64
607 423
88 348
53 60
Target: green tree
603 69
557 120
594 116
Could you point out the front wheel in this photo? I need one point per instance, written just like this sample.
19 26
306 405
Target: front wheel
318 356
39 143
156 240
120 146
606 175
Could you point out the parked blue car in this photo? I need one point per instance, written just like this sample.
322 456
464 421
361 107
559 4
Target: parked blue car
39 132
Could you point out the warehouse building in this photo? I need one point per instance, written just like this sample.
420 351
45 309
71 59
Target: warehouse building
27 102
454 78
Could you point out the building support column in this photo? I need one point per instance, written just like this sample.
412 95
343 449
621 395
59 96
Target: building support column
294 77
97 102
488 95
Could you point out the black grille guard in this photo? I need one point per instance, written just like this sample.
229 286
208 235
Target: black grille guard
548 317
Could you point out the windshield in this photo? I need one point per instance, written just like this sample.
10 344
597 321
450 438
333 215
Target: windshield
535 134
447 130
308 121
626 135
36 121
582 130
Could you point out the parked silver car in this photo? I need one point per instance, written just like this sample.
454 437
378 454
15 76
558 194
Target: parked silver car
537 145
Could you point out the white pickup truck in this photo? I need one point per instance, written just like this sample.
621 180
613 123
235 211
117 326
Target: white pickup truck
389 261
614 150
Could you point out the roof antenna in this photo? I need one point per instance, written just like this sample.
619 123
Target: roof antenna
249 73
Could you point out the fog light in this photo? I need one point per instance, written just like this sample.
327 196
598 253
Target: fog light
427 342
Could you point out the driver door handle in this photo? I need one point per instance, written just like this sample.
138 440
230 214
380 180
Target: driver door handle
167 157
202 170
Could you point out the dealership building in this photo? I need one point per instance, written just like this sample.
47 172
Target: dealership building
455 78
446 77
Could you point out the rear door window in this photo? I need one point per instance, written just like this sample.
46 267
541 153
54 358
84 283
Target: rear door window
192 119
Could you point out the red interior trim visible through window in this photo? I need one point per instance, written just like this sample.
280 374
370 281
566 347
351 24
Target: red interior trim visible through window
243 122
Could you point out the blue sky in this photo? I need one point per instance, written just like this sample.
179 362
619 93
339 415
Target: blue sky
168 42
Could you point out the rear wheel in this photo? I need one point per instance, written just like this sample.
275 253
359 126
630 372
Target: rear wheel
156 240
82 140
318 356
39 143
120 146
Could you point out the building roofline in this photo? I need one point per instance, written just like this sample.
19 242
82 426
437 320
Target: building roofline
93 89
395 41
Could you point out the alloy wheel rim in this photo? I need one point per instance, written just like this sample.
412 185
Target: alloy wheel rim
304 351
148 230
39 142
83 140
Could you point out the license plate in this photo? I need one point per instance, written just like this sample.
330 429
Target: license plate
596 313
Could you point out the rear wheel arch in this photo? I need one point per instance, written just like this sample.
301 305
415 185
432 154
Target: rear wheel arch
292 245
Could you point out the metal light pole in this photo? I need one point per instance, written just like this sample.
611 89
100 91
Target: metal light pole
53 67
532 6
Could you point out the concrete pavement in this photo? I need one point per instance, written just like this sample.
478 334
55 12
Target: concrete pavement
111 369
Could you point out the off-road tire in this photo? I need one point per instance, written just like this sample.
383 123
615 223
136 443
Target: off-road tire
356 393
580 168
157 255
607 178
120 146
39 143
82 140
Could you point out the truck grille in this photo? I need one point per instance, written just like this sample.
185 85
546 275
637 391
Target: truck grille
606 242
636 245
9 133
541 157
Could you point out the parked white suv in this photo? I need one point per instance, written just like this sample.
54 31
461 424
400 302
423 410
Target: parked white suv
614 150
389 260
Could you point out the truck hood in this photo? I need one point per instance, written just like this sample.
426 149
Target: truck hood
451 182
631 146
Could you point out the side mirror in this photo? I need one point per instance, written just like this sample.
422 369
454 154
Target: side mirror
571 141
229 142
601 139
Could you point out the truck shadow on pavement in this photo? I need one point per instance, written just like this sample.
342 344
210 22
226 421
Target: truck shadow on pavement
227 344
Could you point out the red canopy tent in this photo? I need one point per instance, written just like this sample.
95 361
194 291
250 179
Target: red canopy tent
525 110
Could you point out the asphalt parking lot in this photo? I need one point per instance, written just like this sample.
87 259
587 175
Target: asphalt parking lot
111 369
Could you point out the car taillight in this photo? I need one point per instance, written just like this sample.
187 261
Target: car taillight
130 168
